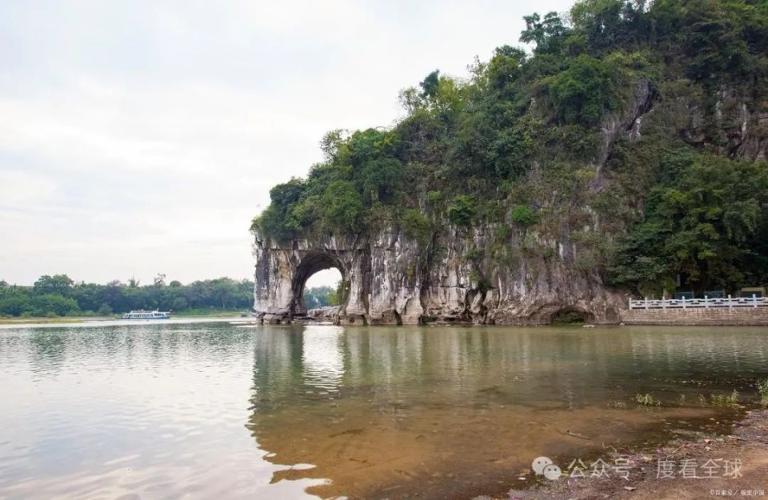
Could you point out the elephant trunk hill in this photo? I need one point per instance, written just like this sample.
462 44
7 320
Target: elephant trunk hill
625 155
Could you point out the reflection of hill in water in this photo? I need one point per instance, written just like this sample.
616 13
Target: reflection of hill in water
395 410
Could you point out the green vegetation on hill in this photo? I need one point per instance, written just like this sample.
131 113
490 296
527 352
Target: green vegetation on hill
521 144
59 295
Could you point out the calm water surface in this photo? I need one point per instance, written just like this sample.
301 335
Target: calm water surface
204 410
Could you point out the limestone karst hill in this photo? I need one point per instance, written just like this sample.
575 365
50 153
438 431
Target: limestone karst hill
625 154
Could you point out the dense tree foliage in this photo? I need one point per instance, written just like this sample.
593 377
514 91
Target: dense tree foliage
60 296
522 143
321 296
703 226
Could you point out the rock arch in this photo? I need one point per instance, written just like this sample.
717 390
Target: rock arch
312 262
390 278
375 289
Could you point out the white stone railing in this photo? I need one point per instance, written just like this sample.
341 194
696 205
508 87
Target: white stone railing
705 303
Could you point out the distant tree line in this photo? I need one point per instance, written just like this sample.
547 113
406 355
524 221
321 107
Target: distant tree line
59 295
321 296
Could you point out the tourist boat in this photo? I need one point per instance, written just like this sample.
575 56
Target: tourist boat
141 314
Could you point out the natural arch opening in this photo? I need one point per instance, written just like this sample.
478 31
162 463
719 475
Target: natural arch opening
570 316
317 282
323 289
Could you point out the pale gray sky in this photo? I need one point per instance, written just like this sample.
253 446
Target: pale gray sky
140 137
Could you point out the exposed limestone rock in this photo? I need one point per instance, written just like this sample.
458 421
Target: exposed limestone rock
738 128
629 122
389 279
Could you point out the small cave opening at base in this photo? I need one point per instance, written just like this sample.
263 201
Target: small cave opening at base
570 316
318 282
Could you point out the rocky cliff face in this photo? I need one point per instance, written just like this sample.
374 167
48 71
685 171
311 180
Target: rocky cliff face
389 279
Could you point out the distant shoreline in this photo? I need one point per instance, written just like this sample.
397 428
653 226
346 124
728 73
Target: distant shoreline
89 319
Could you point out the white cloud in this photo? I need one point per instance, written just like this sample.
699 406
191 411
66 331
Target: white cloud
18 187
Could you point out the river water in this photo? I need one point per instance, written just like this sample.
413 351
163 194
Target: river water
216 410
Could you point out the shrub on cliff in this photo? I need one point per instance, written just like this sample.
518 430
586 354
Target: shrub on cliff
416 225
585 91
342 207
462 210
523 216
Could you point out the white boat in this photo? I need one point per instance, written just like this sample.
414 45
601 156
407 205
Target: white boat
141 314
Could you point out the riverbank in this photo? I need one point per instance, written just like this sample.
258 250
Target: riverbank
196 314
697 316
706 465
54 320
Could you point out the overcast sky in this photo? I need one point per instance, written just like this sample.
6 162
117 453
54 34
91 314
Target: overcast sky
140 137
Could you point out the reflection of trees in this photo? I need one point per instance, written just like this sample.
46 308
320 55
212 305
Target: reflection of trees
50 349
277 365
